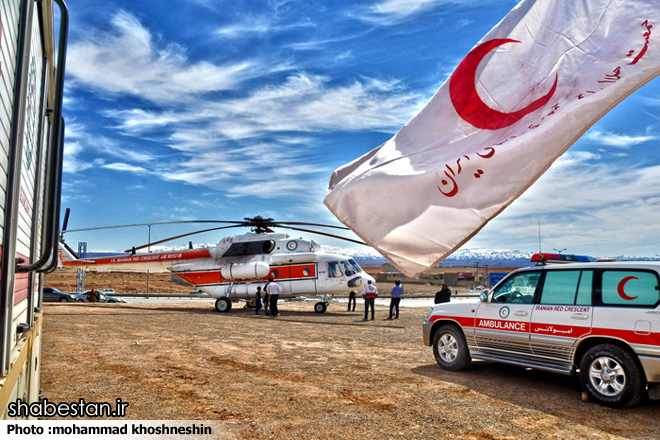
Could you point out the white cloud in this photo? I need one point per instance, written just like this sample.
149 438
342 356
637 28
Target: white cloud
130 60
583 204
119 166
206 133
72 163
303 103
402 8
388 12
618 140
259 26
83 150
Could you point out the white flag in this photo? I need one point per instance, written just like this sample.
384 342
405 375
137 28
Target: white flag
524 94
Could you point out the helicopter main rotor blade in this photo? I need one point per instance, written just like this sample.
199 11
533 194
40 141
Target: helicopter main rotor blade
326 234
154 223
181 236
311 224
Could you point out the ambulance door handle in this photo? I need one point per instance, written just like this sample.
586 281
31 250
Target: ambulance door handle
581 316
519 313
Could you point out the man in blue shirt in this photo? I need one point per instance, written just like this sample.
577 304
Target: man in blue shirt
396 292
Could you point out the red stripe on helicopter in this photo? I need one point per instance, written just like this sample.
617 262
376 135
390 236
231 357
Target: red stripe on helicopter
278 273
145 258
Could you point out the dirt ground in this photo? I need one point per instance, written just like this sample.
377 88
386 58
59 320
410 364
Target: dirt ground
308 376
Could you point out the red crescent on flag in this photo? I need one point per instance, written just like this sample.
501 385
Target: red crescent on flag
622 284
466 100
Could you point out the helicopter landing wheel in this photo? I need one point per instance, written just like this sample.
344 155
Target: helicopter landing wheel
320 307
223 305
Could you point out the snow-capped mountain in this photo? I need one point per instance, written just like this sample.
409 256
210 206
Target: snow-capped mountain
462 257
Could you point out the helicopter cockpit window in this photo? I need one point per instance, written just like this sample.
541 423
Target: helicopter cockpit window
356 266
333 269
250 248
348 269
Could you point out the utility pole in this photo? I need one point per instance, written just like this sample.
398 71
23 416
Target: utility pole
148 251
80 273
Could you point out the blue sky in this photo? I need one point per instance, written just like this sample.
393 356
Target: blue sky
205 109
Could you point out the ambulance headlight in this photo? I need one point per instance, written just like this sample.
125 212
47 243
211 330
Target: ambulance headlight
428 315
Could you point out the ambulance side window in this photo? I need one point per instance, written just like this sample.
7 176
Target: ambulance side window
570 287
519 288
629 288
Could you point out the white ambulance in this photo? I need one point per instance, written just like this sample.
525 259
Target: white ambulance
598 320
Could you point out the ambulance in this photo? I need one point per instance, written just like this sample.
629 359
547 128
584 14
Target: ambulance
597 320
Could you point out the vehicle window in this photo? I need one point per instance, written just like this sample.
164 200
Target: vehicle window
333 269
519 288
348 269
356 266
250 248
567 287
584 291
630 288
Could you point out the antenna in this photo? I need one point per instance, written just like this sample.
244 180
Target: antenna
539 236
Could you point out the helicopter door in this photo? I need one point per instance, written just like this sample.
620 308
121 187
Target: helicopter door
336 279
303 279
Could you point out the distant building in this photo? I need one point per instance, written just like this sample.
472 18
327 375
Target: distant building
451 276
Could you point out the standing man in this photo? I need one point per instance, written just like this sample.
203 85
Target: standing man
351 298
266 300
396 292
257 301
273 290
369 294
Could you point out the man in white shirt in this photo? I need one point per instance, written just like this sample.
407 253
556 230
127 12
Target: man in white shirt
273 290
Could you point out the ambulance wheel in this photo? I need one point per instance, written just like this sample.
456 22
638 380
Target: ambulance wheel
611 376
450 349
223 305
320 307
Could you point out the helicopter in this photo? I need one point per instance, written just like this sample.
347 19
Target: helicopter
233 269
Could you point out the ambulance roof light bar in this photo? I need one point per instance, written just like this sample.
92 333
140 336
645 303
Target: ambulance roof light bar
545 258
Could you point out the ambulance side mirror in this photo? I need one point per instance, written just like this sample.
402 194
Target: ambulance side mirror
483 296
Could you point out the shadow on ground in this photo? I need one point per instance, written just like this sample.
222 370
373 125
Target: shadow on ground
521 386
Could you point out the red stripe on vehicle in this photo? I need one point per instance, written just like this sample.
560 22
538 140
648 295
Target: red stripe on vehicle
463 321
146 258
567 331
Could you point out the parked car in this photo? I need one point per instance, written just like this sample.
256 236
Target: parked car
84 297
197 292
53 295
597 321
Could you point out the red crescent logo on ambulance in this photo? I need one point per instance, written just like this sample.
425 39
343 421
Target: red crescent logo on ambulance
466 100
622 284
